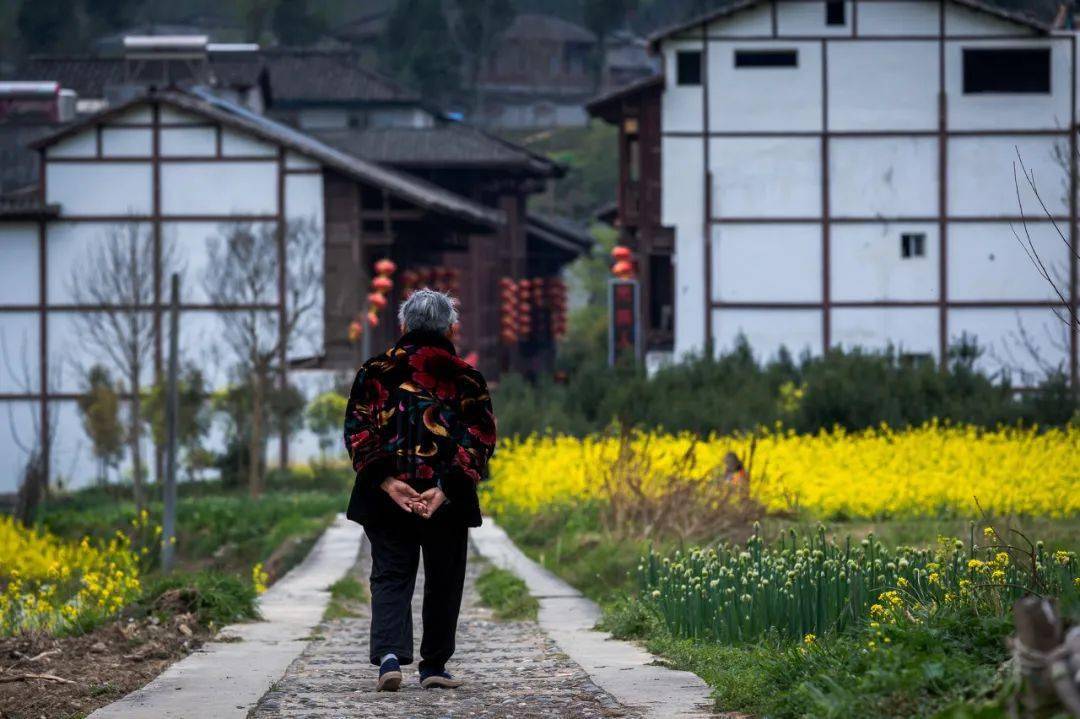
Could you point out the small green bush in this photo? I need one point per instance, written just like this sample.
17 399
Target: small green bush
215 598
504 592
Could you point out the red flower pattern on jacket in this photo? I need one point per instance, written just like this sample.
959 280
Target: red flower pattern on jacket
421 413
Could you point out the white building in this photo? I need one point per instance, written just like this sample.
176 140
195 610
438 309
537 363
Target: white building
842 173
180 165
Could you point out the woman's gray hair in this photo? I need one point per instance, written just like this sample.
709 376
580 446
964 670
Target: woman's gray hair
429 310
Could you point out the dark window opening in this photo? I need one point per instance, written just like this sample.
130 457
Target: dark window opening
688 67
633 152
766 58
913 244
834 12
1005 70
661 294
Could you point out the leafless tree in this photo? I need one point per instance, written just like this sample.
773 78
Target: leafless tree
116 278
243 272
1055 276
36 447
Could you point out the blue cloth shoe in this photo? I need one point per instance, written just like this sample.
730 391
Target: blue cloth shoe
438 679
389 676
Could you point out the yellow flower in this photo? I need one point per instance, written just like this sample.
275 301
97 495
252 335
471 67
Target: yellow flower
809 639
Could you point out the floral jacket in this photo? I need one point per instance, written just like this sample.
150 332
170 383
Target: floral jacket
421 414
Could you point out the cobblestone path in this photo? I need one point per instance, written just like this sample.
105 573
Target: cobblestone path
512 669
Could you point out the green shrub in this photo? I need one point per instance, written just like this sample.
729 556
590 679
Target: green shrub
215 598
854 389
507 594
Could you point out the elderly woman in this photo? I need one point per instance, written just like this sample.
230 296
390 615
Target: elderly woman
419 429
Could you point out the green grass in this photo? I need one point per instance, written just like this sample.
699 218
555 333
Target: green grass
507 594
345 594
950 666
215 598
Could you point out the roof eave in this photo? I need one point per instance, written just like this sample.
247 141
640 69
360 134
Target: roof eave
474 213
978 5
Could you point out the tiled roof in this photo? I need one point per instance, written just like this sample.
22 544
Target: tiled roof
545 27
561 232
445 145
18 163
89 76
328 76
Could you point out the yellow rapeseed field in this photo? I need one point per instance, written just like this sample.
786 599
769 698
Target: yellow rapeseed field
874 473
49 584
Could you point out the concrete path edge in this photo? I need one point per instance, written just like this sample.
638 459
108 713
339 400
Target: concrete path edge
624 670
225 678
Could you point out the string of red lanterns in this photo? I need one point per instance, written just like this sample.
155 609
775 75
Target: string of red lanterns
377 300
624 267
522 304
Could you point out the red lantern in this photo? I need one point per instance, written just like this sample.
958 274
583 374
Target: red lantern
355 330
385 267
376 300
382 284
621 252
373 319
623 269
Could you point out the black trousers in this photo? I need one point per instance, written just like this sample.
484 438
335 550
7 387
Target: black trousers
395 556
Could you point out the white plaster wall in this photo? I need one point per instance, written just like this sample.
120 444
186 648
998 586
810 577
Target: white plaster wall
682 207
682 181
71 245
765 177
756 20
190 141
304 197
960 20
126 142
1001 333
987 262
218 357
178 117
882 85
193 188
767 263
867 265
888 177
769 330
18 264
304 445
237 144
681 104
907 329
72 462
19 347
17 428
83 144
1009 111
72 353
100 188
296 161
981 179
764 98
189 247
800 17
898 17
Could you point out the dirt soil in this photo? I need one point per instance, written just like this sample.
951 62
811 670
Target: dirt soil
43 677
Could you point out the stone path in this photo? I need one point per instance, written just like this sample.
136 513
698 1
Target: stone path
513 669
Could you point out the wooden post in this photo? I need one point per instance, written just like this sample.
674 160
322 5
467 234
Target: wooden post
168 522
1038 631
